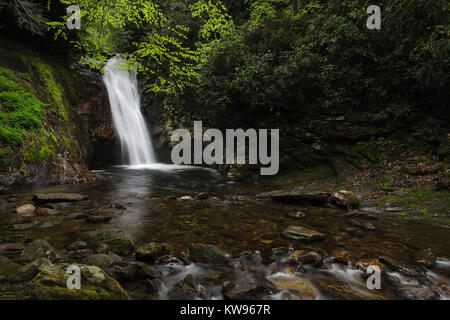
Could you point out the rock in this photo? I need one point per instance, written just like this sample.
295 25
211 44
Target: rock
207 253
247 288
396 209
119 241
4 205
407 270
7 266
312 258
98 219
299 233
43 280
3 190
80 254
47 225
102 260
151 286
186 289
41 198
103 248
363 224
26 209
47 212
24 226
373 210
426 258
297 215
41 249
77 245
299 197
340 256
360 215
363 264
302 286
409 292
76 216
152 251
186 198
119 206
11 250
132 271
202 196
345 199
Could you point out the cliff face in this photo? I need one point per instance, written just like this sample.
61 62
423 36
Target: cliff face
55 121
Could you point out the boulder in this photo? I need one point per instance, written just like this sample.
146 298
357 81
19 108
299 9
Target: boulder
77 245
42 198
408 270
345 199
409 292
311 258
152 251
119 241
207 253
7 266
247 288
302 286
131 271
102 260
303 234
41 248
26 209
426 258
43 280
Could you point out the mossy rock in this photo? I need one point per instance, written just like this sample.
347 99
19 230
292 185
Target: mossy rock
119 241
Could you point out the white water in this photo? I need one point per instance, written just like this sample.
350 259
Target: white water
137 148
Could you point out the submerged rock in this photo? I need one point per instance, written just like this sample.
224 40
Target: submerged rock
247 288
409 292
47 212
302 286
41 198
24 226
77 245
297 215
119 241
152 251
300 197
302 234
76 216
98 219
26 209
207 253
11 250
426 257
360 215
397 266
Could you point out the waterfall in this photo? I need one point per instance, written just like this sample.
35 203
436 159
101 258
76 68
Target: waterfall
122 86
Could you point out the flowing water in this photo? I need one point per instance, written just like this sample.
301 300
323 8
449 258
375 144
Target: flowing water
122 86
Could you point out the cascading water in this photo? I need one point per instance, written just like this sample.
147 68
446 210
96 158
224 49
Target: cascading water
137 148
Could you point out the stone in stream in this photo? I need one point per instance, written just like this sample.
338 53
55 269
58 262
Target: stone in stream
396 209
302 286
150 252
299 197
26 209
247 287
24 226
408 270
119 241
80 254
48 225
98 219
102 260
411 292
77 245
303 234
4 205
373 210
426 258
363 224
45 212
345 199
7 266
207 253
43 280
311 258
103 248
11 250
42 198
365 263
76 216
126 271
202 196
360 215
297 215
41 249
340 256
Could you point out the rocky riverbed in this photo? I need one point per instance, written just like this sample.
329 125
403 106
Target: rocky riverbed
231 244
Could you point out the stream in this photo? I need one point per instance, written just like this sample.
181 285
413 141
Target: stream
158 203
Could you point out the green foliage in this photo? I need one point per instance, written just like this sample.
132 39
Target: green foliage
20 111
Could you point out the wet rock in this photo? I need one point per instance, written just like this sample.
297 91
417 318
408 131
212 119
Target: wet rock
47 212
3 190
103 248
247 288
360 215
396 209
187 289
152 251
426 258
80 254
21 220
311 258
98 219
102 260
11 250
48 281
303 234
48 225
299 197
119 241
41 249
302 286
363 224
131 271
76 216
4 205
119 206
7 266
363 264
24 226
340 256
372 210
409 292
151 286
41 198
207 253
345 199
185 198
26 209
77 245
297 215
397 266
202 196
